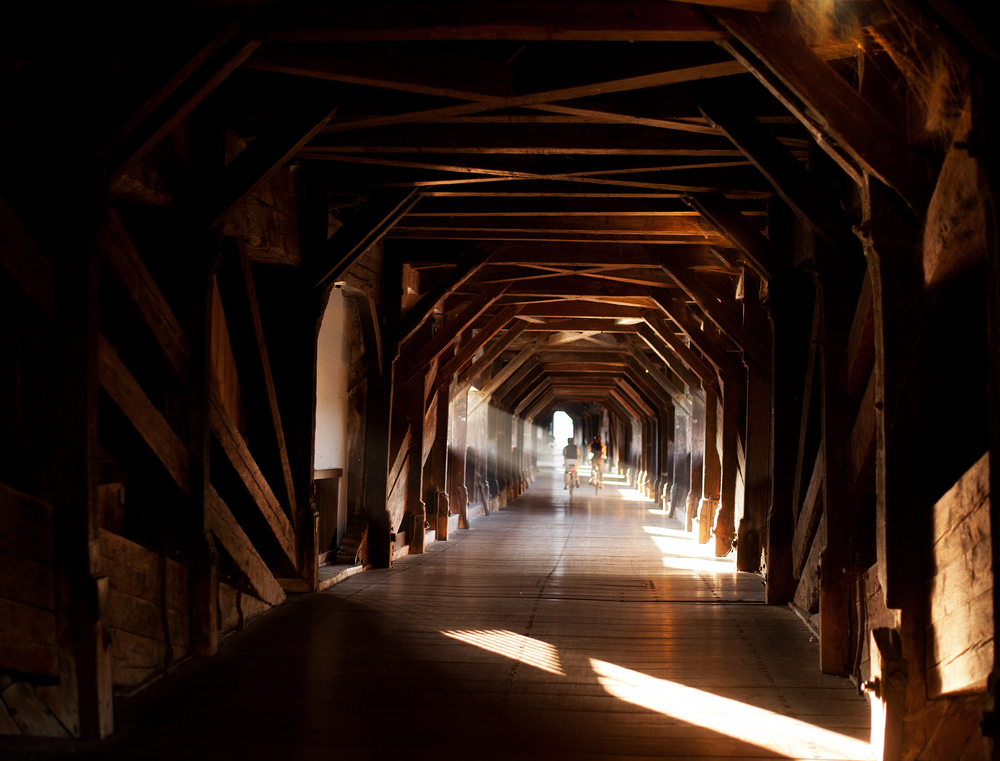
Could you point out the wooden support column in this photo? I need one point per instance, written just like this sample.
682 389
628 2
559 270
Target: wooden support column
492 437
205 561
291 325
680 480
791 347
757 473
667 444
81 582
891 248
712 470
460 492
697 459
731 404
416 508
378 418
986 91
837 296
437 496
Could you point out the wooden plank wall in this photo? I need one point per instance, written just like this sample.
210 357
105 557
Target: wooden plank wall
148 610
959 589
27 588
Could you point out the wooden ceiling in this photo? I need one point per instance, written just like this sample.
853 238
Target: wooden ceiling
593 178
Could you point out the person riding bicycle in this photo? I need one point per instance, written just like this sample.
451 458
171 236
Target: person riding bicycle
596 458
571 457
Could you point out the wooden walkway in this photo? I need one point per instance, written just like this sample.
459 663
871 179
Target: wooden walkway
591 629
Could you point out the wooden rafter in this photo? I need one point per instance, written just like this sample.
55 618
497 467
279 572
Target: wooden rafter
238 288
351 240
844 124
256 163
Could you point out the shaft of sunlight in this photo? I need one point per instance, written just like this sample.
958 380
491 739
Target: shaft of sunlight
531 652
784 735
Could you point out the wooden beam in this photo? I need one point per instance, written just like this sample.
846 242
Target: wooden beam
668 357
809 518
422 72
501 377
555 140
259 579
156 87
145 297
350 241
371 330
468 349
810 200
225 55
720 313
490 355
604 21
258 161
709 345
672 341
451 330
239 295
725 217
148 421
253 480
410 322
582 325
841 121
641 238
26 263
652 225
679 397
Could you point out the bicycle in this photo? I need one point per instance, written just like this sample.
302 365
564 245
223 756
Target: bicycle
597 474
573 477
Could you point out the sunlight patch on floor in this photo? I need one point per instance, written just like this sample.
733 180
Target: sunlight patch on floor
681 552
532 652
790 737
633 495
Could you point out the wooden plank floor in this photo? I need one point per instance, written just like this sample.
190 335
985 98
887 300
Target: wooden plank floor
591 629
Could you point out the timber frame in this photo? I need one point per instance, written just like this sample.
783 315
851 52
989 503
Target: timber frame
753 255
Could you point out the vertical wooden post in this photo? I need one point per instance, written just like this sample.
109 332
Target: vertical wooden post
680 480
438 465
835 299
74 476
892 251
757 474
416 508
492 438
697 446
291 322
459 490
985 104
791 347
725 528
204 564
712 484
378 418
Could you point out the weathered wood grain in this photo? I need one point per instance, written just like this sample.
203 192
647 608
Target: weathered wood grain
148 421
145 298
28 639
959 592
256 485
235 541
26 580
863 440
29 713
809 517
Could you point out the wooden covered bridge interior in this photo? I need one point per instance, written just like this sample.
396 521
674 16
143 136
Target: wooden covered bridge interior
293 288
